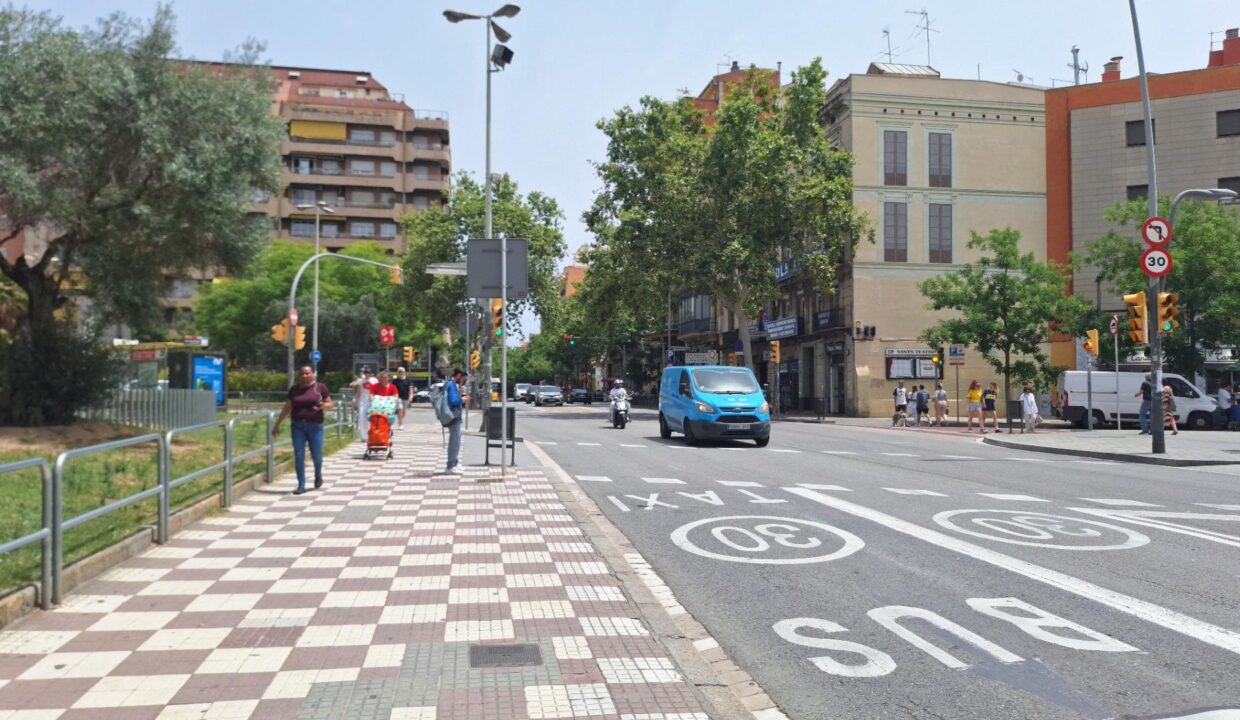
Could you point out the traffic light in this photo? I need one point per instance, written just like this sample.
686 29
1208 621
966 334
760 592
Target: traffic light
279 333
775 351
300 335
497 317
1137 314
475 360
570 340
1091 342
394 275
408 354
1167 312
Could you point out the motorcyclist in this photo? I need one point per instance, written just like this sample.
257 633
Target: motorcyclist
618 394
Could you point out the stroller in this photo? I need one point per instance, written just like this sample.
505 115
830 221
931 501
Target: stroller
379 435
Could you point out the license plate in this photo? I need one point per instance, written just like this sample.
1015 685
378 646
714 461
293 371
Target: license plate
738 426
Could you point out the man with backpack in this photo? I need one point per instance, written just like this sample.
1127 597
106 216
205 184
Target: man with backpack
448 404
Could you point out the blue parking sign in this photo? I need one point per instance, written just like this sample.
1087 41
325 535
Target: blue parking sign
316 356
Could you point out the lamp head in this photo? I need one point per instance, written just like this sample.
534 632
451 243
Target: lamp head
507 11
501 56
455 17
500 33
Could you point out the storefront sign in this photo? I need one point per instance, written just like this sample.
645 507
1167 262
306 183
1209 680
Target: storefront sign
787 270
828 319
784 328
909 352
835 348
701 358
142 356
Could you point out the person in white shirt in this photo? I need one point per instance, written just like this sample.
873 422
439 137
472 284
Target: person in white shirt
1029 409
1224 400
361 400
901 396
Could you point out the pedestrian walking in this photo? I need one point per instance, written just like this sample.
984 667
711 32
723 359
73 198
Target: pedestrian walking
1029 409
923 404
307 401
940 405
362 388
975 406
1146 393
404 390
1168 403
901 397
456 401
990 401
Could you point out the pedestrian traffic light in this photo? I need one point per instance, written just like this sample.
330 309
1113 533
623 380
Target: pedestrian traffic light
1091 342
408 354
300 336
570 340
1167 312
475 360
279 333
1137 314
497 317
775 351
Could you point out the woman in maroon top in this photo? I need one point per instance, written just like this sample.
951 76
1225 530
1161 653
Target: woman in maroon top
307 401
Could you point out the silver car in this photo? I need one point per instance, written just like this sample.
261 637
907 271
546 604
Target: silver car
548 395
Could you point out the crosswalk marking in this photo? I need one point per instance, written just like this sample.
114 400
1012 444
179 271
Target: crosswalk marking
837 452
1016 498
962 457
663 481
1216 506
616 501
914 491
1119 502
593 478
544 442
1095 462
1021 459
632 446
589 444
740 483
783 450
814 486
899 454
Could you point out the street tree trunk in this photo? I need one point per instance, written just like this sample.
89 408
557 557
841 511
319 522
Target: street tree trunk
1007 385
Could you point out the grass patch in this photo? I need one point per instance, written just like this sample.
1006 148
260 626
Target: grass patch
96 480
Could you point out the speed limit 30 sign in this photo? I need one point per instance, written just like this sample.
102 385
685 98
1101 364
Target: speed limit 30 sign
1156 262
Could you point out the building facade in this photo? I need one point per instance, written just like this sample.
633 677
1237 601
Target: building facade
1095 156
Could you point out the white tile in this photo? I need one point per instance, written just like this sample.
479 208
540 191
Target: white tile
297 683
135 574
177 587
581 568
34 642
336 635
572 647
223 602
223 710
638 670
543 702
132 691
461 596
595 593
59 666
542 610
186 639
478 630
384 655
232 661
122 621
425 712
566 547
210 563
278 617
237 544
420 583
92 603
406 614
301 586
319 562
368 572
477 569
533 580
172 553
611 626
253 573
354 598
426 559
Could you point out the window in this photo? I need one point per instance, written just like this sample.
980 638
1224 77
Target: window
421 141
387 168
361 167
387 230
1229 183
387 137
895 232
940 160
421 172
421 202
331 198
1134 130
940 233
301 166
385 199
329 230
302 196
361 135
329 167
1228 123
362 229
182 289
895 157
362 198
303 228
1138 192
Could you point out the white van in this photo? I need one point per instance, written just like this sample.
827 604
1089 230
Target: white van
1194 409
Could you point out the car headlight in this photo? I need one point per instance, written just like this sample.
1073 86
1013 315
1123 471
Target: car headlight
766 408
704 408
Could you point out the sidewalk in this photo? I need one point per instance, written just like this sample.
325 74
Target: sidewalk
1190 447
394 593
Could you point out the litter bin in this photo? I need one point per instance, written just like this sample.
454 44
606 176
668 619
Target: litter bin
1013 414
494 432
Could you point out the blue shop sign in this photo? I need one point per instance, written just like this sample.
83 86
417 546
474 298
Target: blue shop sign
784 328
787 269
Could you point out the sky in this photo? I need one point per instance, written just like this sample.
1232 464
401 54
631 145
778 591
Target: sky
577 61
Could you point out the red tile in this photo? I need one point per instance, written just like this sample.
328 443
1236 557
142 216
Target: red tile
40 694
314 658
162 662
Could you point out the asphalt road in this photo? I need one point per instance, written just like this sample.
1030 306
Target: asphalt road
878 573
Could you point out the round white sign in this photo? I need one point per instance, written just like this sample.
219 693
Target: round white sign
765 540
1039 529
1156 231
1156 262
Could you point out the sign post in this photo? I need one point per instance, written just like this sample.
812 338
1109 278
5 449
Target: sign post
955 357
1114 330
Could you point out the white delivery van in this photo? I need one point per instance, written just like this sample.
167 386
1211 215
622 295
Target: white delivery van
1193 408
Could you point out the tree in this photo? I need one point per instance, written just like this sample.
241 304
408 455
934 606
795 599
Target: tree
1205 249
133 165
1006 306
690 206
430 303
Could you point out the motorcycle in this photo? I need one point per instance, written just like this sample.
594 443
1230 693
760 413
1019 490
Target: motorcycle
619 413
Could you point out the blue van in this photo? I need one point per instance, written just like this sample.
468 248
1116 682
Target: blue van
707 402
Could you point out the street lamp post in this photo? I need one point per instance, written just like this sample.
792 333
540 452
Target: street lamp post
320 207
495 61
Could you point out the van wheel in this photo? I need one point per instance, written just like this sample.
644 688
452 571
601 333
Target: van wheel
665 432
1100 419
1199 421
690 438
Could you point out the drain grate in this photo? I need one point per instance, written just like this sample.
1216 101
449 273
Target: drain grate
494 656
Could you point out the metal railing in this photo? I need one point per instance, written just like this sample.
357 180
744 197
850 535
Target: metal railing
51 535
156 408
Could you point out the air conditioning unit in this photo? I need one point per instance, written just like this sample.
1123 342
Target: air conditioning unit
361 79
294 74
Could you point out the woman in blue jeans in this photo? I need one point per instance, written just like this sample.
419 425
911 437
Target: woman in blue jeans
307 401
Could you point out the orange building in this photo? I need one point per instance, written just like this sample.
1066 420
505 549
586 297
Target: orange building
1095 155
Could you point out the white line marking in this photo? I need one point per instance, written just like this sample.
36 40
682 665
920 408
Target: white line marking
633 446
962 457
589 444
1016 498
616 501
1095 462
1154 519
1119 502
593 478
1019 459
1235 508
899 454
663 481
837 452
740 483
914 491
783 450
545 442
814 486
1178 622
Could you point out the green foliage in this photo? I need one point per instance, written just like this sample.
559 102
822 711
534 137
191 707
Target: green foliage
44 379
427 303
1205 250
1005 307
690 206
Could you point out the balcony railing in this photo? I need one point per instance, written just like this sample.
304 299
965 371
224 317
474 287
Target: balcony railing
829 319
696 325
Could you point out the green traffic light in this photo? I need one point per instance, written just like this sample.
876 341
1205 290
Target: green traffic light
499 332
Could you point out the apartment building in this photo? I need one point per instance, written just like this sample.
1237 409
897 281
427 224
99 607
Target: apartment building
1095 156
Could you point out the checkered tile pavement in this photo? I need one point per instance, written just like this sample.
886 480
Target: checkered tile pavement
359 601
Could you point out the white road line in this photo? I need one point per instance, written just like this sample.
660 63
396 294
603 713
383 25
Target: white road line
740 483
1118 502
899 454
593 478
589 444
914 491
1019 459
815 486
663 481
783 450
633 446
1095 462
1234 508
616 501
837 452
544 442
1164 617
962 457
1015 498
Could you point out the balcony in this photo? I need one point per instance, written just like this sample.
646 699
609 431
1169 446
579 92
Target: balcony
434 153
395 182
697 326
829 320
341 148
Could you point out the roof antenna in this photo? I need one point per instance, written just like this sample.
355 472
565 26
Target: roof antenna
925 19
1077 67
887 34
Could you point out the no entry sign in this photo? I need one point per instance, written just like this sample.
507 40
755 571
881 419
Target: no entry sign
1156 262
1156 231
292 316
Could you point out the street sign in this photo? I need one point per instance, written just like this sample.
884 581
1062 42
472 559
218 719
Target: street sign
387 335
1156 262
955 355
316 357
292 316
1156 231
482 279
1114 330
700 358
671 356
196 340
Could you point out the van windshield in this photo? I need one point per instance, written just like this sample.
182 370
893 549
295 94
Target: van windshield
725 382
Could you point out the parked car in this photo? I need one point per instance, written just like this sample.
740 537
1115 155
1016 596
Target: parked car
578 395
1194 409
424 395
519 391
708 402
548 395
528 395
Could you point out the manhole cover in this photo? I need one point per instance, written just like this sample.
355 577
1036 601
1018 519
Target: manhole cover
492 656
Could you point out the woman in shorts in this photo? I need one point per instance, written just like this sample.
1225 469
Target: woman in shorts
975 406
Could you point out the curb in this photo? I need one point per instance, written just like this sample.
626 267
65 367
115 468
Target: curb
1100 455
729 692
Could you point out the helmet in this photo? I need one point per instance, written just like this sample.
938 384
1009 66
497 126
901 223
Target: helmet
619 383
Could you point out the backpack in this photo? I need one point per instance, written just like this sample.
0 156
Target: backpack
443 409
